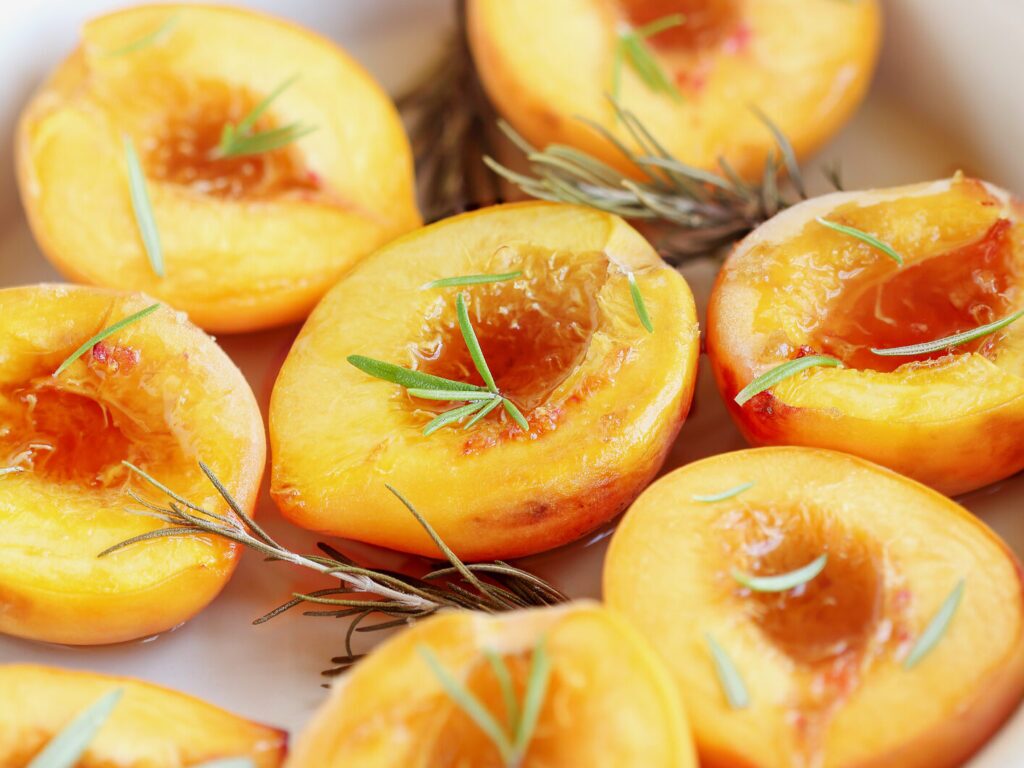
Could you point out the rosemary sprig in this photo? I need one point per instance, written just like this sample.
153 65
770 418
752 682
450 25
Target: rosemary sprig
729 493
463 280
105 333
363 592
240 140
143 209
769 379
782 582
728 676
701 210
638 303
863 236
158 35
950 341
936 627
70 743
522 721
632 48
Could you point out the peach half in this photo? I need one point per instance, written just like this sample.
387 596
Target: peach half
870 662
952 418
148 726
248 241
805 65
160 394
602 397
608 702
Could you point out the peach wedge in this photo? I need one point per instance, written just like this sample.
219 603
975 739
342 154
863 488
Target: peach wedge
252 232
952 417
158 393
608 700
148 726
817 609
805 65
590 399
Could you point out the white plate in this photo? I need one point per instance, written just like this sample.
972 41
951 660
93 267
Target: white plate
947 97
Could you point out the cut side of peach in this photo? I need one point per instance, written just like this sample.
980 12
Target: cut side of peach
248 242
609 701
951 418
805 65
827 664
160 394
603 397
149 725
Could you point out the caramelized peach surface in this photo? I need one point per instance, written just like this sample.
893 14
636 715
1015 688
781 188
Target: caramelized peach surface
250 241
950 418
149 726
825 662
391 711
160 394
603 397
806 65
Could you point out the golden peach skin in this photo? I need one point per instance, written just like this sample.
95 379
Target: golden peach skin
952 419
149 726
160 394
831 666
604 398
248 242
805 65
391 711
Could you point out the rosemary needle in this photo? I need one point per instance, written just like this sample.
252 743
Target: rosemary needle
453 282
65 749
729 493
149 39
105 333
240 140
936 627
639 305
632 48
143 209
950 341
783 581
406 377
473 343
863 236
781 372
456 414
728 676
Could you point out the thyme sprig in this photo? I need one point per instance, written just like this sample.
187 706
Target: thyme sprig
105 333
242 140
145 220
632 48
770 378
701 210
949 341
363 592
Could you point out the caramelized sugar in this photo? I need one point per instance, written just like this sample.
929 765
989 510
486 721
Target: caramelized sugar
946 294
533 331
184 154
706 23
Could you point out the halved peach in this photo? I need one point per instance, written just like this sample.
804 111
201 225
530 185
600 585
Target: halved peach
805 65
151 726
603 397
838 670
249 241
609 700
952 419
160 394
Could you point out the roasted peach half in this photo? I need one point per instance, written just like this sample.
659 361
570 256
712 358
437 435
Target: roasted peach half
805 65
608 700
952 418
855 617
248 240
601 397
149 725
158 393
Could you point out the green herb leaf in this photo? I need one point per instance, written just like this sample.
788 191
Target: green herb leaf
10 470
508 692
65 749
473 344
450 394
950 341
516 414
484 411
936 627
406 377
144 218
728 676
863 236
638 304
453 282
633 48
783 581
105 333
722 496
781 372
533 698
239 140
151 38
455 414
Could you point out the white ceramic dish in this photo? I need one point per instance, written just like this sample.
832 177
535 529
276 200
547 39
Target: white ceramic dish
946 97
